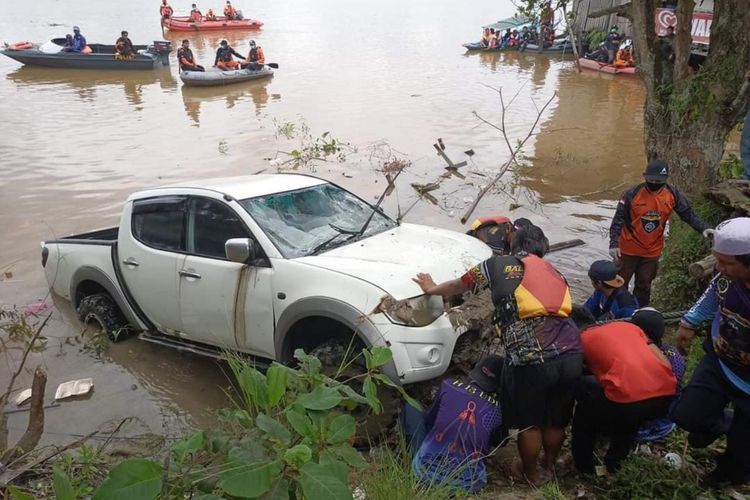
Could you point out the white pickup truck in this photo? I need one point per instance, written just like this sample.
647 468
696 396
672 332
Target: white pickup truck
264 264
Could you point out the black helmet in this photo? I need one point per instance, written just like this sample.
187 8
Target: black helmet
223 42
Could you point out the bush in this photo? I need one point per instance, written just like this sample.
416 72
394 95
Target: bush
288 436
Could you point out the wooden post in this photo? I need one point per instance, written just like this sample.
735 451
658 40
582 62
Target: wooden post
703 268
571 33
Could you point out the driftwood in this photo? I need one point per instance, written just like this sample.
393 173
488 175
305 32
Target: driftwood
703 268
733 194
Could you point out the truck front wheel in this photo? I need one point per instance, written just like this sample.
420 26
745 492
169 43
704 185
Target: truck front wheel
100 309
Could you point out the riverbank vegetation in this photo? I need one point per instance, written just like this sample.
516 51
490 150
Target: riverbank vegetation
289 434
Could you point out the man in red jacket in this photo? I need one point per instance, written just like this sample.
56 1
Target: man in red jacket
636 236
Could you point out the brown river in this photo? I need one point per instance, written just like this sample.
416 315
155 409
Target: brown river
75 143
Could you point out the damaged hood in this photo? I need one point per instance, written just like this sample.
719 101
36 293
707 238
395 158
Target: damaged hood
391 259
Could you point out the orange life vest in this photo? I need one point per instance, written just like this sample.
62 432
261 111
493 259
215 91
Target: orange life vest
543 290
21 46
196 16
647 217
229 12
166 11
259 57
210 16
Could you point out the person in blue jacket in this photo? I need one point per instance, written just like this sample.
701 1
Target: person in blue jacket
79 41
610 300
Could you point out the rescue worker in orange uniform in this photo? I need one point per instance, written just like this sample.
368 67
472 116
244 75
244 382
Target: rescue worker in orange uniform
624 57
229 11
165 10
543 351
255 57
186 59
636 236
210 16
224 58
195 14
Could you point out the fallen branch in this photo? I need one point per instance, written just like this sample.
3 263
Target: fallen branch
514 153
35 427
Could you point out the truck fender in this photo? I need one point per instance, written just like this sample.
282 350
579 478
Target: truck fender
89 273
338 311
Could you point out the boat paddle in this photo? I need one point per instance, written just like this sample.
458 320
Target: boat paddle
273 65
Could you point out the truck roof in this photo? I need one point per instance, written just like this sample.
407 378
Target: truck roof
241 187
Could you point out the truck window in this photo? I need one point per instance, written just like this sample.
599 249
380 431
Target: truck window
213 223
161 223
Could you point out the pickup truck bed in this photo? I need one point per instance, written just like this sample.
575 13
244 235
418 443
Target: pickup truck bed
100 236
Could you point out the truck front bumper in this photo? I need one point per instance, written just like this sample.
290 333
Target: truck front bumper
419 353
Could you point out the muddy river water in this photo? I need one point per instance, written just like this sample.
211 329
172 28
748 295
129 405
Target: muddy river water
76 143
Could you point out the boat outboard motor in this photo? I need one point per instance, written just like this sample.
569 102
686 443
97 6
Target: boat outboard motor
161 48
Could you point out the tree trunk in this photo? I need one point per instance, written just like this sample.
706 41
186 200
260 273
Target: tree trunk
688 116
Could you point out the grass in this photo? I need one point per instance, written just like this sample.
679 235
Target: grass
390 477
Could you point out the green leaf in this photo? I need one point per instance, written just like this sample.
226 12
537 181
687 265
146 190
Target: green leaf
309 364
337 467
342 428
371 393
318 419
132 479
248 480
349 455
253 385
279 491
380 356
298 455
190 444
352 394
274 429
276 378
17 494
322 398
318 482
62 485
386 380
300 423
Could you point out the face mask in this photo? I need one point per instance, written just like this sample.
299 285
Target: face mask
654 186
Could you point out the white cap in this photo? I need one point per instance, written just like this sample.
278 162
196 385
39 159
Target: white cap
732 237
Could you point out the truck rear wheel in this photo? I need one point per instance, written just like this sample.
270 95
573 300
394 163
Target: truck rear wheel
101 310
370 426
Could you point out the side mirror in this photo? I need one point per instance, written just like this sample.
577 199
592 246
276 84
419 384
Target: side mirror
240 250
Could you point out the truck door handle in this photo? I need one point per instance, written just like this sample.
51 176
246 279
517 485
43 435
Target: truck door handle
130 261
189 273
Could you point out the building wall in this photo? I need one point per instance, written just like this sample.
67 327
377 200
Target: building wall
581 8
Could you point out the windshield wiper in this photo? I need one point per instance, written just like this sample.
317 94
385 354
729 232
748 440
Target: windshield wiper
327 243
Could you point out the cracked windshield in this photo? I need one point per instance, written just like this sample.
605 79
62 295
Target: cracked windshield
334 250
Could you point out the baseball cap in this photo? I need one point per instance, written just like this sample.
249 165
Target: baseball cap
651 322
656 171
497 239
486 374
606 272
732 237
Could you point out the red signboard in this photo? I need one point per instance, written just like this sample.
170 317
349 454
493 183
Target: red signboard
701 30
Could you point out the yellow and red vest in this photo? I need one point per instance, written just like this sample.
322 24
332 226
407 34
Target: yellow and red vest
543 290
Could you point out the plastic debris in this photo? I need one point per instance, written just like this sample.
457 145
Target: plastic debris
74 388
673 460
23 396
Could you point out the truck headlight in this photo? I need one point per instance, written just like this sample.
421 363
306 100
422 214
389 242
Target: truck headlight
416 311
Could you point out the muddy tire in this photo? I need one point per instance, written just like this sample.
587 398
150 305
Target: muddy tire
101 310
371 427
